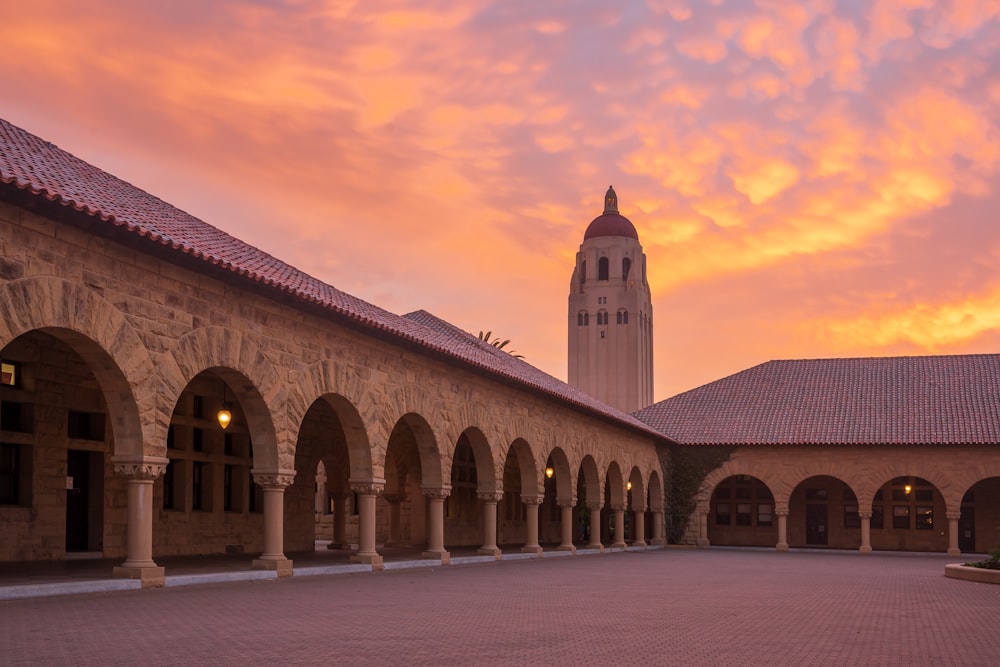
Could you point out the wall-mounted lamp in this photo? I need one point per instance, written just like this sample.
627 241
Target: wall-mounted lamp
225 414
628 485
907 489
549 471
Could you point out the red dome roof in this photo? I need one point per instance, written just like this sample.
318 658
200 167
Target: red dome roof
611 224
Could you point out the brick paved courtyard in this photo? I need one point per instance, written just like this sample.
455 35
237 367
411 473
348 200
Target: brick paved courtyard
714 607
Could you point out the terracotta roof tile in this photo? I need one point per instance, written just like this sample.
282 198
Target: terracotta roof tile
34 165
889 400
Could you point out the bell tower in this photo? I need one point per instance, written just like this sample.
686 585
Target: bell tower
611 314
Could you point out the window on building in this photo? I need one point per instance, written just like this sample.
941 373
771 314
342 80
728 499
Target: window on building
198 407
851 517
169 485
765 514
198 486
815 494
878 517
744 514
602 318
10 473
583 272
602 268
17 417
586 319
255 499
622 317
901 517
626 268
723 513
198 440
925 518
10 374
85 425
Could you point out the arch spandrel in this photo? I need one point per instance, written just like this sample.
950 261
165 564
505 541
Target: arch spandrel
235 357
103 337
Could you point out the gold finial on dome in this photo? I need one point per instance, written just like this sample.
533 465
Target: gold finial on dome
611 201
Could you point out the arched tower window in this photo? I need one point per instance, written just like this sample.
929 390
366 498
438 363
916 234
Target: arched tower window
602 268
583 272
602 318
626 267
622 317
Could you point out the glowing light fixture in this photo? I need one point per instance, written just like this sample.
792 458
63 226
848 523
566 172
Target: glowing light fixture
628 486
549 471
225 414
907 489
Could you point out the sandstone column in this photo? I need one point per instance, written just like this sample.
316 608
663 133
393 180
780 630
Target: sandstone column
640 528
531 545
394 500
435 528
702 540
595 528
339 521
566 523
866 532
657 529
953 518
619 542
367 493
139 564
490 501
273 485
782 514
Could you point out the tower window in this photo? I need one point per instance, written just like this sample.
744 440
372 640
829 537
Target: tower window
626 267
602 318
602 268
583 272
583 319
622 317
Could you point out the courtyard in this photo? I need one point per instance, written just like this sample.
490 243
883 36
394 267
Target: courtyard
681 607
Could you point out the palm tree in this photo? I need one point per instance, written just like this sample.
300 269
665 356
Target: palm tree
498 344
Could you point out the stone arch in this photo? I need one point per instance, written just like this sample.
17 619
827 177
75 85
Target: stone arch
242 365
616 486
414 407
565 484
530 473
592 481
638 490
655 493
731 468
352 402
485 465
901 467
428 451
107 343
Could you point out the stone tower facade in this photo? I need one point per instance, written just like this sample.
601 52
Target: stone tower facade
611 314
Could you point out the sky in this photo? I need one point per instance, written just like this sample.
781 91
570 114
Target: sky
818 178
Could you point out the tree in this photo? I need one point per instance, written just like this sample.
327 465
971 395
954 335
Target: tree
498 344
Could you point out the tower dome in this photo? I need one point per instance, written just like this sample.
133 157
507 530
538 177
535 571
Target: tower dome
611 223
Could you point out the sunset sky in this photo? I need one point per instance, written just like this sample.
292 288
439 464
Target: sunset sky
809 179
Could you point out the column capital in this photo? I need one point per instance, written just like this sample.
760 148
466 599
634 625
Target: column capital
372 487
532 500
953 515
490 496
865 515
595 507
436 493
616 507
273 479
570 502
781 511
392 497
145 468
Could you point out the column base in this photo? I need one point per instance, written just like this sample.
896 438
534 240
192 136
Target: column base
637 545
443 556
490 551
151 576
566 547
596 547
703 543
954 552
781 546
657 542
619 545
282 566
373 559
532 549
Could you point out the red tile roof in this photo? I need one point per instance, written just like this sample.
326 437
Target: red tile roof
939 400
36 166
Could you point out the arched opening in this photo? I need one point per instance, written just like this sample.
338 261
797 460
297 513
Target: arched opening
823 512
908 514
518 480
208 488
742 513
979 523
626 268
462 515
408 459
583 272
602 268
57 437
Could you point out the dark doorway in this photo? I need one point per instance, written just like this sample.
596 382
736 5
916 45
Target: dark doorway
83 500
967 530
816 533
